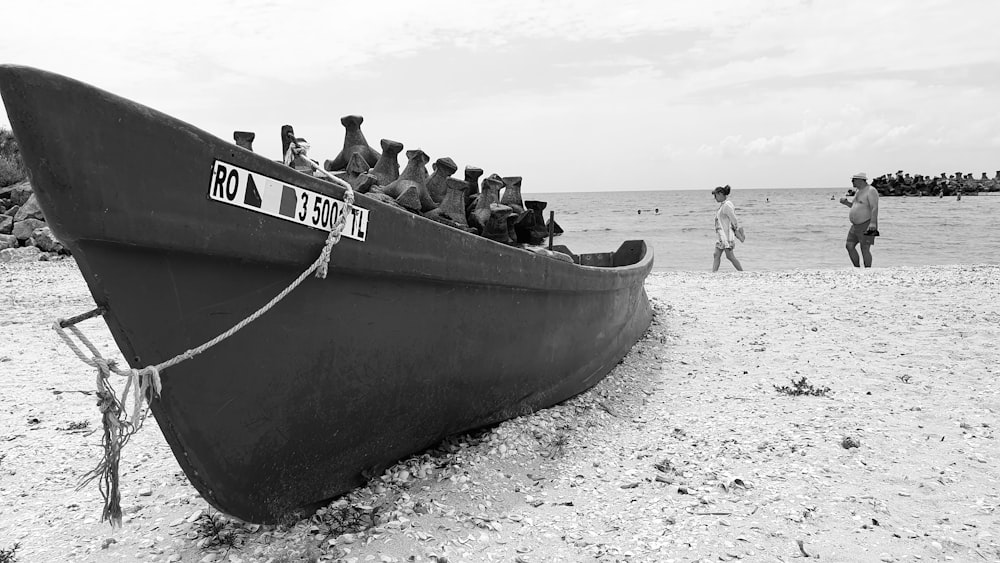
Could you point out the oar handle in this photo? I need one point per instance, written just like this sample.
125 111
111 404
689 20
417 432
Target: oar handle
552 226
63 323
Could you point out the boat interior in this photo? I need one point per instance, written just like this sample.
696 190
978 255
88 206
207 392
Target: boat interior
630 252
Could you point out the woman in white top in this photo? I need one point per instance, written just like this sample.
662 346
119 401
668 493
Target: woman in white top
725 224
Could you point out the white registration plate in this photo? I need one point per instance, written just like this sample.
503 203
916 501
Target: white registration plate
262 194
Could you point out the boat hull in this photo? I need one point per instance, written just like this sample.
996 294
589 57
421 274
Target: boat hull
418 332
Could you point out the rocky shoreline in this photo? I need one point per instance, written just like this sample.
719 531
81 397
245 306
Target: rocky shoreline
687 451
23 232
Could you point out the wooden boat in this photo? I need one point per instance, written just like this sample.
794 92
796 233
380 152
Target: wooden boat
419 331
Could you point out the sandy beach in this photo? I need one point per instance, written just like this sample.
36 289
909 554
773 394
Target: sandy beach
687 451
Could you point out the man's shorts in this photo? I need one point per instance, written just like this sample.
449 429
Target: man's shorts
857 234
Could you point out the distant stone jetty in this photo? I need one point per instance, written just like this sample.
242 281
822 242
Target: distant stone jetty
959 183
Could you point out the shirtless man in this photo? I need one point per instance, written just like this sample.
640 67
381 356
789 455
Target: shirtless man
864 220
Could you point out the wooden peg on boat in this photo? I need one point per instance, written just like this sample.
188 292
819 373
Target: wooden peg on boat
531 229
415 176
497 226
364 183
354 142
549 225
287 138
244 139
294 151
357 166
452 208
512 193
414 172
472 174
386 170
480 215
437 184
520 221
409 199
357 174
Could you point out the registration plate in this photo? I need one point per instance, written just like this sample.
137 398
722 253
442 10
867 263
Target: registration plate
262 194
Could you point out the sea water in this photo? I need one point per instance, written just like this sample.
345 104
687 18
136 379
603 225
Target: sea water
785 228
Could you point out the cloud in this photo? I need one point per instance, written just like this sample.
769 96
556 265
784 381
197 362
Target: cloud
848 130
638 85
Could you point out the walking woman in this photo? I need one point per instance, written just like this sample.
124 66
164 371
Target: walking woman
725 224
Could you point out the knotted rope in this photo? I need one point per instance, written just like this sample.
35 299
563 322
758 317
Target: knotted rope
145 383
118 426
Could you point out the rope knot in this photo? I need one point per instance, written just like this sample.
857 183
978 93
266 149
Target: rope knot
149 378
333 238
142 381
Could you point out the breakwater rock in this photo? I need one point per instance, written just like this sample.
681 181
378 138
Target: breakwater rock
23 232
459 203
903 184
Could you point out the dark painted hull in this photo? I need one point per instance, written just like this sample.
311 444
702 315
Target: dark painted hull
419 332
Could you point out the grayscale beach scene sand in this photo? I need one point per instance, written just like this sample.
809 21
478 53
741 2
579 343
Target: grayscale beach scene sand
837 415
500 282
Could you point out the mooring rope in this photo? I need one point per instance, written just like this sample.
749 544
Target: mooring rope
145 383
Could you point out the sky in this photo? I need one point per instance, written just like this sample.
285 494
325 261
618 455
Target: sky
578 95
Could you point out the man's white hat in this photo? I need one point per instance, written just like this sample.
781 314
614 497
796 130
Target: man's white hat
860 176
